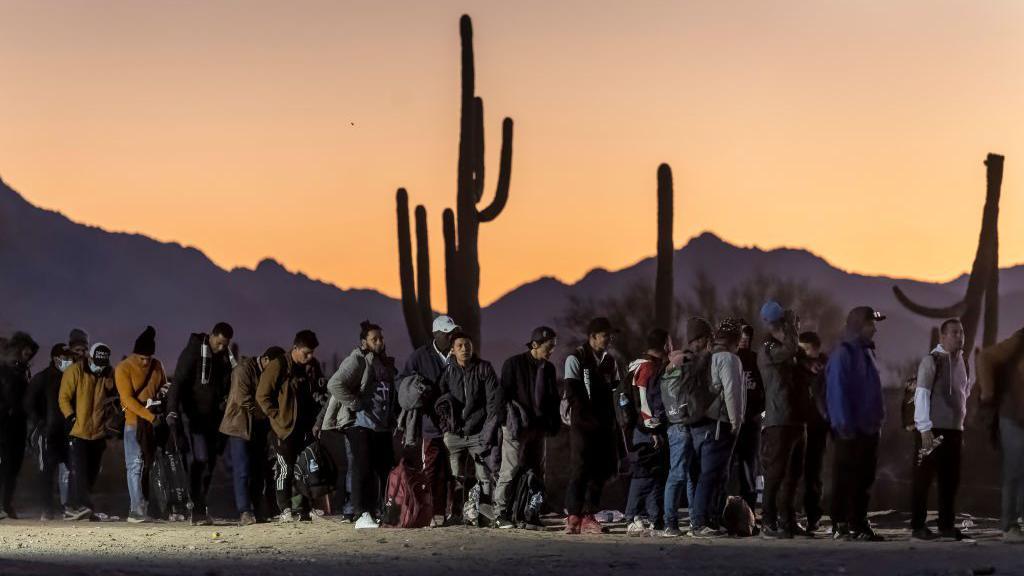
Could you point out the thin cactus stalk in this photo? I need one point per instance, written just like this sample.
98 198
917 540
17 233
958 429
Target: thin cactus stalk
983 285
663 284
415 308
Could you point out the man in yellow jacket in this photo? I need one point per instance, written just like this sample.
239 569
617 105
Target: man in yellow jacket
83 389
139 378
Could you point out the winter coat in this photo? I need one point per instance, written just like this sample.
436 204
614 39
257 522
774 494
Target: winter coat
201 383
82 394
785 399
1001 377
854 389
475 398
242 407
289 394
531 387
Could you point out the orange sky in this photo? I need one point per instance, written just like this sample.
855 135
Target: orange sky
856 129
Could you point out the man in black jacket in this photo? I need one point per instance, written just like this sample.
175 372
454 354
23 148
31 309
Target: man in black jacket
199 390
17 354
591 375
529 387
469 388
46 425
745 461
811 373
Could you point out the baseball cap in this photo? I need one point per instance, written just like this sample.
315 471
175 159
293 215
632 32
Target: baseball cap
600 324
100 354
862 314
772 312
444 324
541 334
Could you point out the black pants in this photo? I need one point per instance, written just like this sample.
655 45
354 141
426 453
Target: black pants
86 457
814 461
287 452
53 451
336 445
942 465
782 456
206 445
853 474
592 458
11 458
372 459
744 465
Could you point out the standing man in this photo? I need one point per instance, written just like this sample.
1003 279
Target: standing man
591 374
647 438
811 376
745 457
1001 378
78 343
83 389
139 378
940 407
15 357
287 394
248 429
46 424
855 412
426 364
202 379
529 386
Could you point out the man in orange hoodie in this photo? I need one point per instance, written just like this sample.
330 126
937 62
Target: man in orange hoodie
139 378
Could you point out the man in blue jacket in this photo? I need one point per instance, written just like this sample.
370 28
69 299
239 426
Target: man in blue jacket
855 411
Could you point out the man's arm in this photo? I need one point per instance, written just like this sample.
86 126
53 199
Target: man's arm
990 361
923 394
266 390
733 388
837 390
184 377
345 383
66 396
127 393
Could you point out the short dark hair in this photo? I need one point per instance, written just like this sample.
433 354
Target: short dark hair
306 339
456 334
945 325
365 327
223 329
657 338
747 331
274 352
810 338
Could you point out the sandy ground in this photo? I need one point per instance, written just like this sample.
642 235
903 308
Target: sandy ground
328 547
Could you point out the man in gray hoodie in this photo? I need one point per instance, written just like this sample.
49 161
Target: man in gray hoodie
940 407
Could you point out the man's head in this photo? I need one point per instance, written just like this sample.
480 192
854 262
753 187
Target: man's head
270 354
61 357
303 347
599 333
220 337
746 336
861 323
951 335
810 342
657 342
542 342
23 348
145 344
78 342
728 334
371 337
462 347
443 328
99 358
698 334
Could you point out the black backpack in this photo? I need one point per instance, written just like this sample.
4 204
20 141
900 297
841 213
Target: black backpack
527 498
314 472
692 395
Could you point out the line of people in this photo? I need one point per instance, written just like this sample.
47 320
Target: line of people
699 423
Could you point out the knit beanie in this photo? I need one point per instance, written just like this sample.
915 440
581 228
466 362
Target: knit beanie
78 337
145 344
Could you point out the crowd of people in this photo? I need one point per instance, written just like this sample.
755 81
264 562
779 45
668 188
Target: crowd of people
694 423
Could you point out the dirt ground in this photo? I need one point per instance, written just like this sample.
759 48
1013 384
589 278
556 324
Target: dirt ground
327 546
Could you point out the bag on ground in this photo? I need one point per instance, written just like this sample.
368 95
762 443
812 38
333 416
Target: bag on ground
408 500
314 472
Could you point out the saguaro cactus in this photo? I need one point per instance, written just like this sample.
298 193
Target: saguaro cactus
461 226
663 285
983 285
415 306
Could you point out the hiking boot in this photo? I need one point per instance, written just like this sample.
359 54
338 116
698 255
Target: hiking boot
202 519
366 521
923 535
636 528
773 532
952 535
80 513
671 532
866 534
1013 535
136 518
247 519
572 525
503 522
590 525
705 533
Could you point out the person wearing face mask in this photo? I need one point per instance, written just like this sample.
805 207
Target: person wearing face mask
83 388
529 388
46 423
17 354
199 390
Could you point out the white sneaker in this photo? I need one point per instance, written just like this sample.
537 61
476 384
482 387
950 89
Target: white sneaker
366 521
636 528
287 516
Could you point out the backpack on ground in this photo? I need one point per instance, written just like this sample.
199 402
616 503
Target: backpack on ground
687 391
168 481
737 517
407 501
314 472
526 498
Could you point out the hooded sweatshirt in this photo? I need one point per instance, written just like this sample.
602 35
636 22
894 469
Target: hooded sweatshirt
940 400
854 389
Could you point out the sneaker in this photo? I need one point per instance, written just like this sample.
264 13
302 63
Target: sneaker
305 516
438 521
952 535
287 516
1013 535
590 525
201 520
81 513
705 532
503 522
799 531
923 534
867 535
176 518
671 533
773 532
246 519
840 531
813 527
136 518
366 521
572 525
636 528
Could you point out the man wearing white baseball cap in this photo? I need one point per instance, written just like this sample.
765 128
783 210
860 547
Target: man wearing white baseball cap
427 363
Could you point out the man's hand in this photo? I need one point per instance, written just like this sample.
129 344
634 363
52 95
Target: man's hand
927 440
316 432
655 441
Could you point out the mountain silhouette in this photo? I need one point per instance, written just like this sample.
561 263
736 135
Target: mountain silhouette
59 274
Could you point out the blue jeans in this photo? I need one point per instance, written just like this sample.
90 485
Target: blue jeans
240 473
1011 437
677 481
133 465
706 458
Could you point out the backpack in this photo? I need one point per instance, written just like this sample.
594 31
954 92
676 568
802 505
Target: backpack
687 391
738 518
314 472
169 482
627 402
526 498
910 391
407 502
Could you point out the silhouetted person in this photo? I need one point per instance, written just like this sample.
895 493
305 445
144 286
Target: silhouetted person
46 423
745 463
648 451
811 376
15 356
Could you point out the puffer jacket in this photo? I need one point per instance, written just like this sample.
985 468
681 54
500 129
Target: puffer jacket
475 397
785 399
82 394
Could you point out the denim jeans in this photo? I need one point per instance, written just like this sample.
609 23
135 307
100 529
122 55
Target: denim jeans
706 457
1011 436
133 466
677 481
